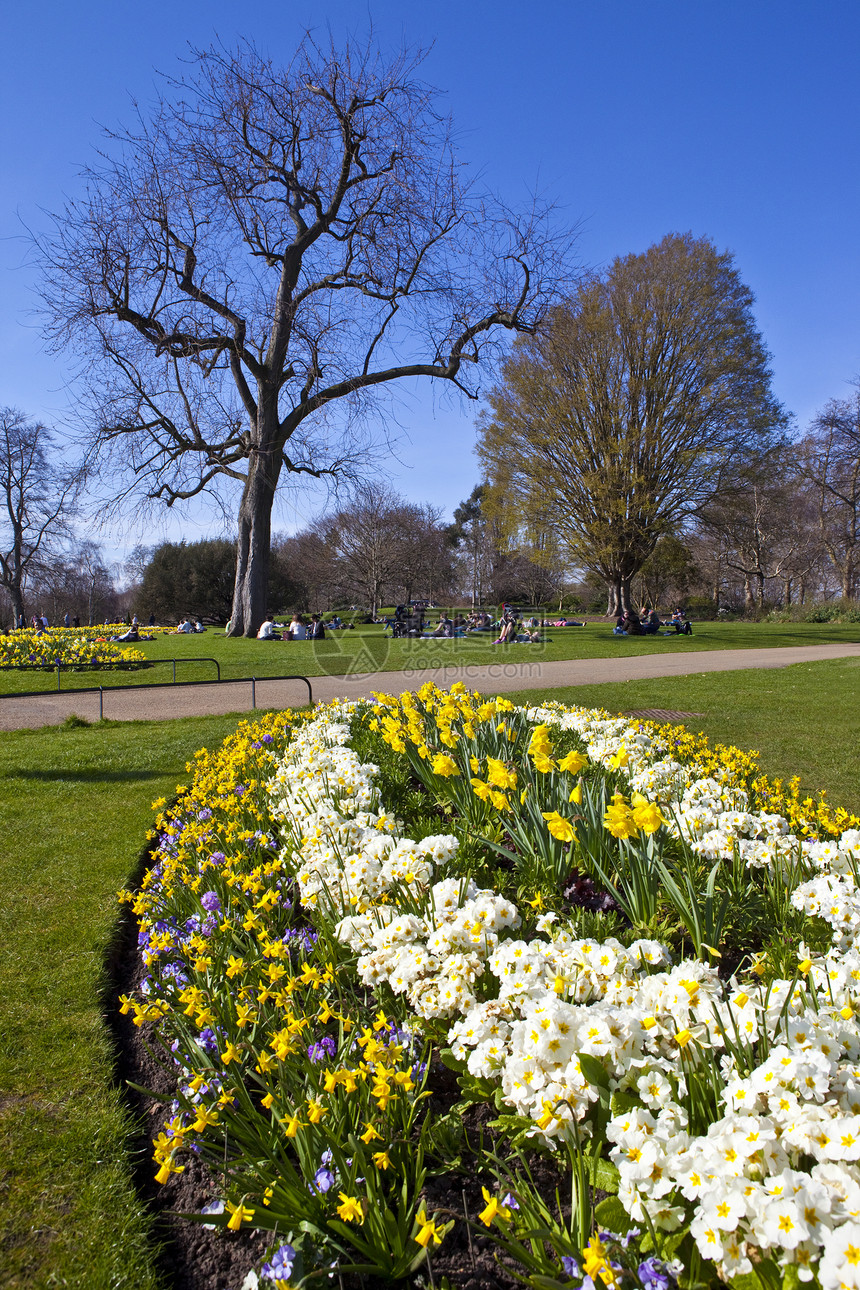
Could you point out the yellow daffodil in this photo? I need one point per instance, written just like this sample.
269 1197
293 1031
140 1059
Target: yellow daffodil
558 826
350 1209
428 1231
493 1210
239 1214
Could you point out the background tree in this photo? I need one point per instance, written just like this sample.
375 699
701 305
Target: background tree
471 535
39 499
184 578
369 538
262 253
622 412
668 574
831 465
764 526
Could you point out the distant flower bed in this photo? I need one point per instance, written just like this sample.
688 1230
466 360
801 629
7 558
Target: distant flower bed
617 944
81 647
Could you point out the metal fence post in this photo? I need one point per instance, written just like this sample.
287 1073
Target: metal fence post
253 692
174 671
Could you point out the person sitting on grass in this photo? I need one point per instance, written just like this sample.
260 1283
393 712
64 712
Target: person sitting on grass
185 627
131 635
650 621
267 630
445 628
297 629
507 627
679 624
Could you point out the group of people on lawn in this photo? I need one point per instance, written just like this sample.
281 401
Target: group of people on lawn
409 623
649 623
298 630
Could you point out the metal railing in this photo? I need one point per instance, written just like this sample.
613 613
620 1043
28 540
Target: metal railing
166 685
119 665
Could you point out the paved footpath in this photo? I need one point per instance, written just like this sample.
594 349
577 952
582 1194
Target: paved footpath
514 671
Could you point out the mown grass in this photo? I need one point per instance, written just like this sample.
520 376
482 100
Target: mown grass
369 649
802 719
76 805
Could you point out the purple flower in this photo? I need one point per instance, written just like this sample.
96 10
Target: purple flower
208 1040
211 901
323 1181
239 790
217 857
281 1266
323 1048
267 739
569 1265
654 1275
205 814
510 1201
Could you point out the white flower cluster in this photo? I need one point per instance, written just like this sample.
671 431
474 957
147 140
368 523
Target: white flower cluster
777 1172
434 956
344 847
833 894
745 1176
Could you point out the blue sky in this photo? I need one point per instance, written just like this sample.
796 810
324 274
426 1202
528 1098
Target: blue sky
735 119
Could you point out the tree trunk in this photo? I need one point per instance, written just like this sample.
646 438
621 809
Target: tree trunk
253 546
17 598
626 601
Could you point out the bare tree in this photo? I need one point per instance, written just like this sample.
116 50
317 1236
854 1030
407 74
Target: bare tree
764 527
831 455
623 411
262 253
38 501
368 537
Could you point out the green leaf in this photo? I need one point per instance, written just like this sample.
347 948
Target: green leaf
611 1214
604 1175
453 1063
593 1070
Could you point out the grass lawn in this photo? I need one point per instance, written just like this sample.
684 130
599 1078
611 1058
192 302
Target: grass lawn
802 719
369 649
76 806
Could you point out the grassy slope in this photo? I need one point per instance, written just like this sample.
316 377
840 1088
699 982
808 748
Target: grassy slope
368 649
76 806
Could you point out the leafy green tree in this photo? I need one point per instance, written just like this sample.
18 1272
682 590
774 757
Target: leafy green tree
619 416
193 578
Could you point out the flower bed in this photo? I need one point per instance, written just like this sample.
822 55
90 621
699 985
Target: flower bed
78 647
606 932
